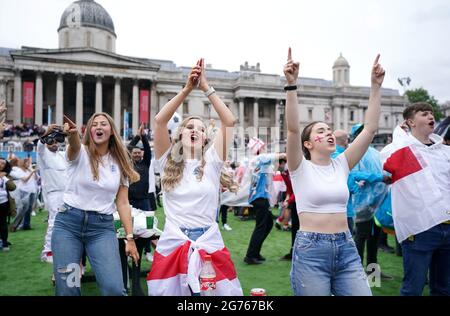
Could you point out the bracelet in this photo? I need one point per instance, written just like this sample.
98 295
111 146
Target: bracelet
129 236
209 91
290 88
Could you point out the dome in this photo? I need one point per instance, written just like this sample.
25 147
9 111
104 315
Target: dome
87 13
341 62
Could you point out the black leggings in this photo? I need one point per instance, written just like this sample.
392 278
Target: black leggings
135 271
223 213
263 226
4 210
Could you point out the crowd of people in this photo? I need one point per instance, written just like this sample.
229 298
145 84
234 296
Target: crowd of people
337 195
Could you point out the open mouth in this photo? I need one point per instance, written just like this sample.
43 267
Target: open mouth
330 141
194 138
431 123
99 134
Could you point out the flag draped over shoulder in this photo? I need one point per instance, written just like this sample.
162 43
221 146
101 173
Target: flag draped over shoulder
178 260
418 202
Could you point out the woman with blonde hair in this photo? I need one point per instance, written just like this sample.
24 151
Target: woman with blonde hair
191 176
99 172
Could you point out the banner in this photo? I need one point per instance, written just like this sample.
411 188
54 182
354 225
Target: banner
144 106
28 100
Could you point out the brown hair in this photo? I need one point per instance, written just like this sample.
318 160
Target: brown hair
115 147
412 109
306 135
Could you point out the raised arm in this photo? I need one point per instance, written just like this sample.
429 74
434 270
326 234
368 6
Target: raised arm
162 141
70 128
294 147
359 146
224 136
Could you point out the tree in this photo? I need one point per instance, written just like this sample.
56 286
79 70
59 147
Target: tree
422 95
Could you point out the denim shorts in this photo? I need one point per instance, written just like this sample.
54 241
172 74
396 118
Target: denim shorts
194 233
326 264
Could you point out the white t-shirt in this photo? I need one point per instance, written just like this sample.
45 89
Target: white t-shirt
193 203
29 186
3 191
151 177
52 167
83 192
321 189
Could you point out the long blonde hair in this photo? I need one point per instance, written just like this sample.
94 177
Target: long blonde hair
173 171
115 147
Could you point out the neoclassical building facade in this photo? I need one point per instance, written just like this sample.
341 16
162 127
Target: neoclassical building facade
85 75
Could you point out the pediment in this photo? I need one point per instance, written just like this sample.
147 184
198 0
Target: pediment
83 56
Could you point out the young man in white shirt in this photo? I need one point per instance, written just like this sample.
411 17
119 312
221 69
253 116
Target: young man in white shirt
52 165
420 166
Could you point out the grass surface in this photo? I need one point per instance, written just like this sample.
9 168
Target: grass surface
22 272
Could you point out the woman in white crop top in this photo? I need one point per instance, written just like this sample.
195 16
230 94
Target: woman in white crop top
190 167
99 170
325 259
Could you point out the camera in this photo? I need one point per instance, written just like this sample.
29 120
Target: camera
55 136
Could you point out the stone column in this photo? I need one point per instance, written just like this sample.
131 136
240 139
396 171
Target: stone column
117 104
255 115
98 95
79 102
59 99
135 107
241 113
345 120
38 99
17 97
361 115
3 90
277 113
336 117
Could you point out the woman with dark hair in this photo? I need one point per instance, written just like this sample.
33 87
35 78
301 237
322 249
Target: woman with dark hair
6 185
325 260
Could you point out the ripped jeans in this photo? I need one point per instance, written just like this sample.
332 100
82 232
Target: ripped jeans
325 264
75 230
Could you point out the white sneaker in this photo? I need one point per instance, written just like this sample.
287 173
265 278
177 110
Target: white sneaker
5 249
226 227
149 257
33 213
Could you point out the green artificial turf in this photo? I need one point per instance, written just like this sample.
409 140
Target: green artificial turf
22 272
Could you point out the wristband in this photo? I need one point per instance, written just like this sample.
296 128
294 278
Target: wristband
290 88
209 92
129 236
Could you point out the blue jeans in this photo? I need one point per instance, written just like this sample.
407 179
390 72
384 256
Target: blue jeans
429 251
194 233
76 230
325 264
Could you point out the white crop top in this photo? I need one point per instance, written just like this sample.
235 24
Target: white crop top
321 189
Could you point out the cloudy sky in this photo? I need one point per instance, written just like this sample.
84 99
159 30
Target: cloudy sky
412 36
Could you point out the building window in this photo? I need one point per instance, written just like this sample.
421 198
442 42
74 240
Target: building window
66 39
88 39
386 120
12 95
207 110
260 112
310 114
109 43
352 116
185 108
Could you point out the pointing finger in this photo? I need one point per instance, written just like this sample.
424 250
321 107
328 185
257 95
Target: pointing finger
289 54
376 60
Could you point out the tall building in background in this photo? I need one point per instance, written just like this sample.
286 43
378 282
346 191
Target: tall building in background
86 75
